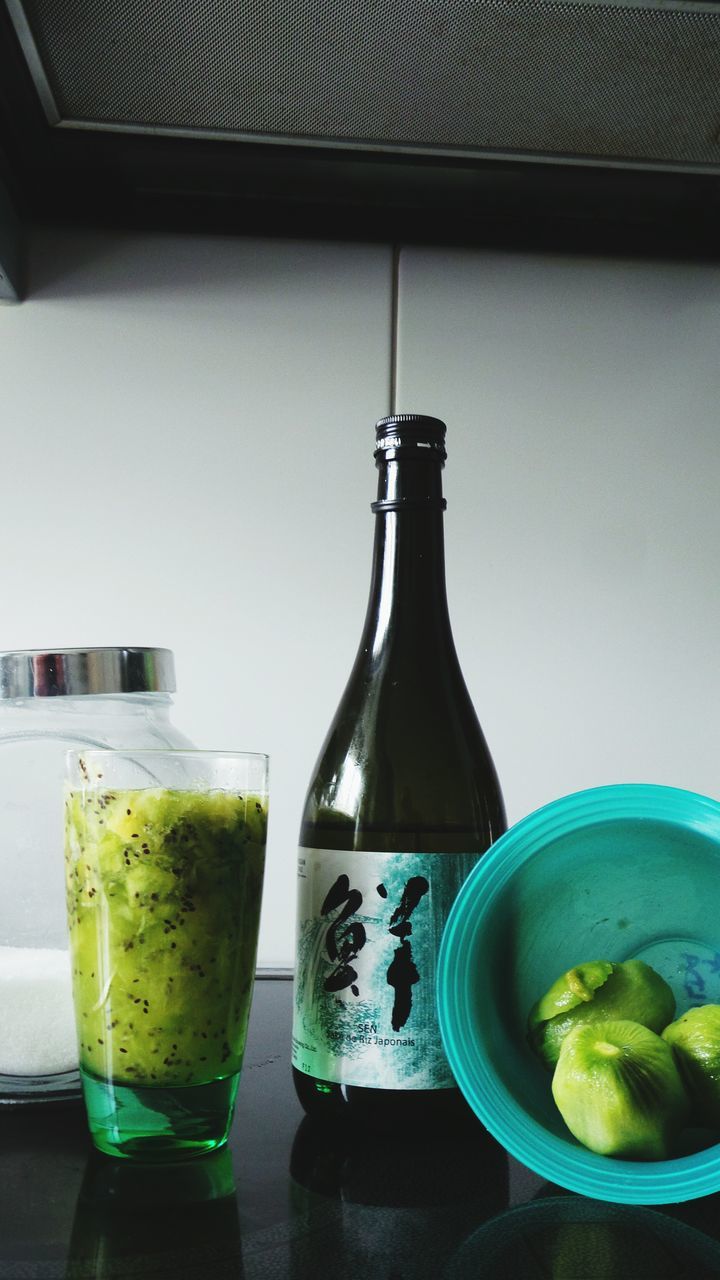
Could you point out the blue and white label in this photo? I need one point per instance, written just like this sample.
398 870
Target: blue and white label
369 930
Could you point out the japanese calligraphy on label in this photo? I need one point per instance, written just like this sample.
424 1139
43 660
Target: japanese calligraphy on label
369 930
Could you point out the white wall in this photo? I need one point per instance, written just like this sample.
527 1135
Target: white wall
583 402
186 460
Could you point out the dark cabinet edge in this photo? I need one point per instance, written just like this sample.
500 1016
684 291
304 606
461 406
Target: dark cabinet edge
12 250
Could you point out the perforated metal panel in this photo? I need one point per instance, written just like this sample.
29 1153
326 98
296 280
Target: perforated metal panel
590 81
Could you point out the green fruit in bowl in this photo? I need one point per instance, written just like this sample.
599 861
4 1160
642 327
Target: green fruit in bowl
619 1091
598 991
695 1041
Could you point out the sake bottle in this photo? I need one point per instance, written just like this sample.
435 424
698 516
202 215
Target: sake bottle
404 800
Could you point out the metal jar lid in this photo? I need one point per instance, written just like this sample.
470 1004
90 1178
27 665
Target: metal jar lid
31 673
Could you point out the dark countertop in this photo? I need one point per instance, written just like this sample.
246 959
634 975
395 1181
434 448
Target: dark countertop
285 1200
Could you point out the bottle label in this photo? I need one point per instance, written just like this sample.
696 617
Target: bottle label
369 930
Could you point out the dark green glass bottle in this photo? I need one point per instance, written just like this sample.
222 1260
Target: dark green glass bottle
404 800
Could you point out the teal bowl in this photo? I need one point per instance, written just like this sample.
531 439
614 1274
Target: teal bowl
616 873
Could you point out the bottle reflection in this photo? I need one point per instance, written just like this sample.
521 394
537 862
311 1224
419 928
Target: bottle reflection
568 1237
395 1207
139 1220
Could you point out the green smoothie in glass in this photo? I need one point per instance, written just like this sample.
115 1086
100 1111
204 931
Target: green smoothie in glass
164 891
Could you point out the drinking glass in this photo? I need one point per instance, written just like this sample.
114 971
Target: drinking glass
164 857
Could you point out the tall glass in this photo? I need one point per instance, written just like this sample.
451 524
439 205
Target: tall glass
165 854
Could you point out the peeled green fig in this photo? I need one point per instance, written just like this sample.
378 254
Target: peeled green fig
695 1041
575 987
619 1091
598 991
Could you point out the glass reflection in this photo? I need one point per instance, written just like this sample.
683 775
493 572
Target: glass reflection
43 1151
136 1219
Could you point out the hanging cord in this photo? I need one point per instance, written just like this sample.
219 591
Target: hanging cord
394 306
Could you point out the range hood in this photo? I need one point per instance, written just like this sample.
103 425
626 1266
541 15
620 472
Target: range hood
587 82
438 118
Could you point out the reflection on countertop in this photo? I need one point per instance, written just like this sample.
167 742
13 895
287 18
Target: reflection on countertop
141 1220
290 1201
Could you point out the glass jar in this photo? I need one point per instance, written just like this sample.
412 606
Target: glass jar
50 702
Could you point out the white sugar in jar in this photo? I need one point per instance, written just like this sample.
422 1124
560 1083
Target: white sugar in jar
50 703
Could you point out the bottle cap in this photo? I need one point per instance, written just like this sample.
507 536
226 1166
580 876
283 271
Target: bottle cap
32 673
410 432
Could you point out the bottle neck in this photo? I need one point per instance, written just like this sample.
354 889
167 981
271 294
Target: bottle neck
408 600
